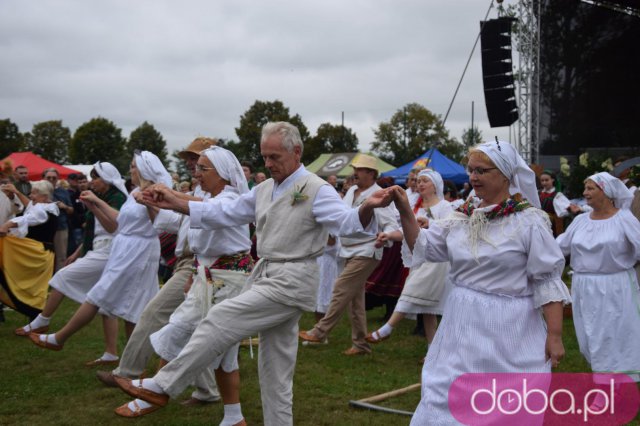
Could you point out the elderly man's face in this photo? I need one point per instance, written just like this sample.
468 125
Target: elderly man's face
280 162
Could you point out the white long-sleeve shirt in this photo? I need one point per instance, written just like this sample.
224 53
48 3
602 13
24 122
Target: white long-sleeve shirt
328 209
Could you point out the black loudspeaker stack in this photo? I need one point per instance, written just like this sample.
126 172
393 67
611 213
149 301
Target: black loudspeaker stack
497 71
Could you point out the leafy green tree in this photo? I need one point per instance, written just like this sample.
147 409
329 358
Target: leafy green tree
251 122
180 166
146 138
471 137
50 140
329 138
11 140
411 131
99 140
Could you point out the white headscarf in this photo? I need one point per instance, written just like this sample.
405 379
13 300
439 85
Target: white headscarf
436 178
613 188
228 167
151 168
521 178
111 175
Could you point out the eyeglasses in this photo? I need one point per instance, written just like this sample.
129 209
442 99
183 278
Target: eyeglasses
200 168
51 178
479 170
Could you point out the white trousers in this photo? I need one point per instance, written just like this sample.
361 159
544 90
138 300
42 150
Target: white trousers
231 321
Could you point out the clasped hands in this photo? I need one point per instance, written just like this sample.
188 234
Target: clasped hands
160 196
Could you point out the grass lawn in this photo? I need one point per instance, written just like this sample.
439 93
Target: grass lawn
40 387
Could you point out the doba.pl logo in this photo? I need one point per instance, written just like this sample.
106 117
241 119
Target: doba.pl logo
549 398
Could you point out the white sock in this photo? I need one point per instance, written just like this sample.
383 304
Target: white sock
141 403
385 330
232 414
109 357
50 338
148 384
40 321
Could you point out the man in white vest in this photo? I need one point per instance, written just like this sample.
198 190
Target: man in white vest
361 256
294 211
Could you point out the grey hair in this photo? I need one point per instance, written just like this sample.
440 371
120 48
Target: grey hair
44 187
288 132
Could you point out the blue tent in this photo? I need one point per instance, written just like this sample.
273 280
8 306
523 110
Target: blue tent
449 169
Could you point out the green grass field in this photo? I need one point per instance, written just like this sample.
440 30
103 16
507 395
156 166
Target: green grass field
40 387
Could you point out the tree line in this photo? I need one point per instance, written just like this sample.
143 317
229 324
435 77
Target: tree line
410 132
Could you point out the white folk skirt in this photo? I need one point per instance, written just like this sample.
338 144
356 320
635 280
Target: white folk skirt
606 315
425 289
479 332
77 279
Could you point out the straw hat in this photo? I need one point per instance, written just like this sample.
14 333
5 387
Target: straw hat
366 162
198 145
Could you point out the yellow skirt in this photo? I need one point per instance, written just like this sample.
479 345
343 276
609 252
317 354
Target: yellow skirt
26 269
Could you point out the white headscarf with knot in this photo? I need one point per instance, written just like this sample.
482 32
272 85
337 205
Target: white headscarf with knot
521 178
228 167
111 175
151 168
613 188
436 178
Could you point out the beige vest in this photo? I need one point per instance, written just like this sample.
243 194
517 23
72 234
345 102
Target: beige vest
289 241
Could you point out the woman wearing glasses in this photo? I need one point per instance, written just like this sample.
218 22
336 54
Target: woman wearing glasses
221 267
505 271
130 277
86 264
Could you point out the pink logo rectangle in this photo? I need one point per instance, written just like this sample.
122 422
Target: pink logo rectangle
552 398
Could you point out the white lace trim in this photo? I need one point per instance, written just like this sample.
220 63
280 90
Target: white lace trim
553 290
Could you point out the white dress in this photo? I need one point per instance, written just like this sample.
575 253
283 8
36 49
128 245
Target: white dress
329 267
492 321
130 278
604 288
424 290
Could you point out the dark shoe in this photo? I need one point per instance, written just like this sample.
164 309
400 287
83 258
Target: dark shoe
195 402
107 378
151 397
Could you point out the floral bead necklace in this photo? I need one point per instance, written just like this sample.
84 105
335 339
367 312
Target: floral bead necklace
505 208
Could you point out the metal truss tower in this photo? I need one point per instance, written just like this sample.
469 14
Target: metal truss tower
527 80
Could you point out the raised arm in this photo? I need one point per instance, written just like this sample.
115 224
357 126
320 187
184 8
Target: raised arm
410 226
104 213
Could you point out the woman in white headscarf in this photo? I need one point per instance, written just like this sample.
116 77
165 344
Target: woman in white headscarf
221 267
423 291
85 266
130 277
505 271
604 245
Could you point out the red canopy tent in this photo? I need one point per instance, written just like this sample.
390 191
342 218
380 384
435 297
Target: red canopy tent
36 165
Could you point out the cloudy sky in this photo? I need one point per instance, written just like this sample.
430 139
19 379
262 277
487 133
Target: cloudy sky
194 67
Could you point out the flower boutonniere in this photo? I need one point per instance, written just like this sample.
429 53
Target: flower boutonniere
298 195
